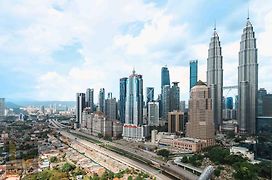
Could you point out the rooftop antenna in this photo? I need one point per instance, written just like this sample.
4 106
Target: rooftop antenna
214 25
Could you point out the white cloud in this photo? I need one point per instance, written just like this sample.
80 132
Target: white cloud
108 54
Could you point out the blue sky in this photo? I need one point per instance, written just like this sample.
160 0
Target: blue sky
49 50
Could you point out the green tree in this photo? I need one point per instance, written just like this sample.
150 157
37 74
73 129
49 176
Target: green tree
218 154
265 169
77 171
231 159
53 159
217 172
245 171
184 159
100 135
67 167
163 153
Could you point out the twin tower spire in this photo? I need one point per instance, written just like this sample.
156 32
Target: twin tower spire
215 77
247 79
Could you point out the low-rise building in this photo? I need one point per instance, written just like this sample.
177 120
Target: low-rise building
157 136
186 144
134 132
243 152
179 144
229 125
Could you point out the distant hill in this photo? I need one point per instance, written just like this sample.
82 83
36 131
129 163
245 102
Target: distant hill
12 105
46 103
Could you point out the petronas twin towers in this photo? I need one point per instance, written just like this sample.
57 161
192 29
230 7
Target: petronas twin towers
247 79
215 77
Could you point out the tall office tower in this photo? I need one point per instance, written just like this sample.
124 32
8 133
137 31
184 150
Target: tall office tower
149 94
264 103
193 73
182 106
80 105
229 103
153 113
134 100
159 99
101 100
261 93
174 97
200 124
247 81
90 99
122 100
2 107
165 101
215 78
133 127
165 78
111 107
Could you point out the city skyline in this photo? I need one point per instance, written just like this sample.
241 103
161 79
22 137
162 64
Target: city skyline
57 68
138 89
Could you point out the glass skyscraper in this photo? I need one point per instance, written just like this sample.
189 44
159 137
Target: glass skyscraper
101 99
133 127
264 103
174 97
165 101
165 78
149 94
90 99
134 100
193 73
80 105
229 103
122 102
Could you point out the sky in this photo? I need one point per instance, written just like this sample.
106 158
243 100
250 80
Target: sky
50 50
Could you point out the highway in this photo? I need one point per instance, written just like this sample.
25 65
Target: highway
168 168
127 161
